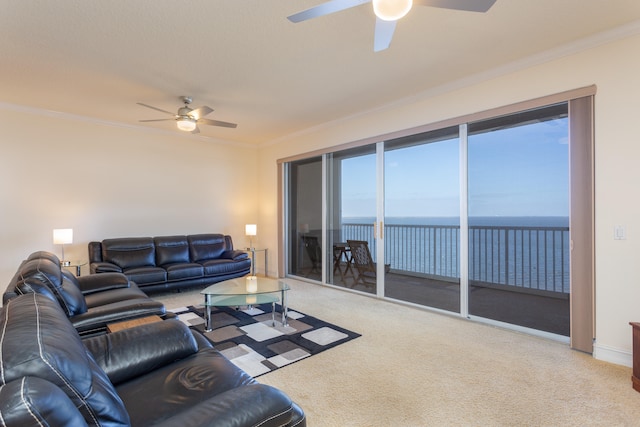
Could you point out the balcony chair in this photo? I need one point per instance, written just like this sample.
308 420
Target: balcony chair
363 262
314 252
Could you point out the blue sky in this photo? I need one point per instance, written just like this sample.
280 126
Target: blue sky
520 171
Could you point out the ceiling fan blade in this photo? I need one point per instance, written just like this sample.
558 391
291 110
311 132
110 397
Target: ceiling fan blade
217 123
325 9
383 35
468 5
155 120
200 112
195 131
154 108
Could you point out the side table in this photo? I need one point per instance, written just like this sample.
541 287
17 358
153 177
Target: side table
253 251
76 264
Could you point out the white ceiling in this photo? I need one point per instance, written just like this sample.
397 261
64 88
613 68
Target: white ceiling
243 58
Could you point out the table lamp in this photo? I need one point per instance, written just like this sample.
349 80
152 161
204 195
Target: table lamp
250 230
62 236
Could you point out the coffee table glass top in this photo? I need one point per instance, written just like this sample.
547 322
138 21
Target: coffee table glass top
242 286
242 291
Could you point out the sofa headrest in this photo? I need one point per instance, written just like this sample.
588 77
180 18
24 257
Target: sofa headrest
43 276
129 252
45 255
37 340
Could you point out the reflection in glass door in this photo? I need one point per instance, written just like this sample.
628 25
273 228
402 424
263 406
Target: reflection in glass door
351 214
518 205
422 219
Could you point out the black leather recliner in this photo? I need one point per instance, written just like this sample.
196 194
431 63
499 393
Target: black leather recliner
90 302
158 374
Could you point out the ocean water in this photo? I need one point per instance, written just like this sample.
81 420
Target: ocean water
511 221
529 252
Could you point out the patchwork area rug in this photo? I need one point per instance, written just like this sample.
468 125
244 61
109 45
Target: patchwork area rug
249 339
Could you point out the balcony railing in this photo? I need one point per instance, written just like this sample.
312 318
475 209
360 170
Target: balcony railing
530 258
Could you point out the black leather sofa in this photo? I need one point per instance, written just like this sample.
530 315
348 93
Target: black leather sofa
158 374
170 262
90 302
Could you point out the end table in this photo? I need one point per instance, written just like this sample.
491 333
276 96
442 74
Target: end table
253 259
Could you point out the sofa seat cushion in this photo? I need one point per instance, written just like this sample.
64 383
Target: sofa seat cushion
175 387
144 275
184 271
220 267
37 340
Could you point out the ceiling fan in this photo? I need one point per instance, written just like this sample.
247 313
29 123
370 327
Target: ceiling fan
388 12
188 118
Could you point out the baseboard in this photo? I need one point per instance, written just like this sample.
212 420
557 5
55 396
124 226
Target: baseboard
613 355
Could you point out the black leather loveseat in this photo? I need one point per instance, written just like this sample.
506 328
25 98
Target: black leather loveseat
90 302
158 374
170 262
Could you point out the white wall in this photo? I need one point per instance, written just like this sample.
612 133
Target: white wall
108 181
615 68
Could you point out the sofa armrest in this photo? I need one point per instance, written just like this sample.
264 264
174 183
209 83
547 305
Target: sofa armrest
102 282
132 352
249 405
104 267
234 255
97 318
30 401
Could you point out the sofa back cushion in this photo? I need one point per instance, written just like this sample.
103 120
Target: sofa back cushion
171 250
129 252
37 340
206 246
44 276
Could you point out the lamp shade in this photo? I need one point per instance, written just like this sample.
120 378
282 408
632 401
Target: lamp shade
251 229
62 236
391 10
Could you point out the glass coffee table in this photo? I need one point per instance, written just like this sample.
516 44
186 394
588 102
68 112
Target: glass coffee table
245 291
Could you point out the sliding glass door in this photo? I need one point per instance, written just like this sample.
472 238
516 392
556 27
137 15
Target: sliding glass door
304 213
471 219
351 215
422 219
518 203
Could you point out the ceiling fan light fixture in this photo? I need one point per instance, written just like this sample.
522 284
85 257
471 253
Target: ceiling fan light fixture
186 124
391 10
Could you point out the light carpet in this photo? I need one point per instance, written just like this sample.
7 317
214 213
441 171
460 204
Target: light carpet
413 367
